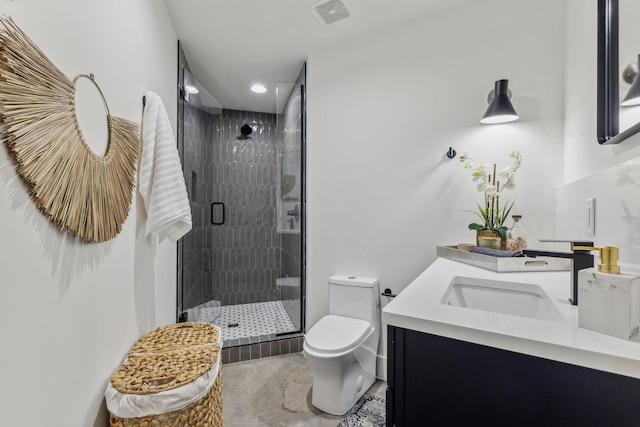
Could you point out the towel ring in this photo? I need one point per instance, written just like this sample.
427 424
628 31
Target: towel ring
92 79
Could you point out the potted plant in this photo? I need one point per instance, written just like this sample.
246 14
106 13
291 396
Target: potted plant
492 213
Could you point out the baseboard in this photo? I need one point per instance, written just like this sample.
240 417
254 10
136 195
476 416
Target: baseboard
381 367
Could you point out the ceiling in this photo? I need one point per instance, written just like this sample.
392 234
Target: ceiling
232 44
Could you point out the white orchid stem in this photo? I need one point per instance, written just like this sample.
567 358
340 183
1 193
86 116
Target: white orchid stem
493 212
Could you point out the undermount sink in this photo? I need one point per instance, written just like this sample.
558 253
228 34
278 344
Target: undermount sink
516 299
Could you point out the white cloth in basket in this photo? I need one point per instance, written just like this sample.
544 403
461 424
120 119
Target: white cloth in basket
125 405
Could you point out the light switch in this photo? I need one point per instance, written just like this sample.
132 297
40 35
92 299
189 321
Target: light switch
591 216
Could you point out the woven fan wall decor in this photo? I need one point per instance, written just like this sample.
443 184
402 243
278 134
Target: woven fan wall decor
86 195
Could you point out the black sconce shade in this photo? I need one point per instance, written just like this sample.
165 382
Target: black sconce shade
500 109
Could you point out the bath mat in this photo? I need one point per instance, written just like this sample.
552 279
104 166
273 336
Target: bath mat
369 411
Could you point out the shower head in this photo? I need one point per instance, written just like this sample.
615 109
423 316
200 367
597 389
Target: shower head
246 130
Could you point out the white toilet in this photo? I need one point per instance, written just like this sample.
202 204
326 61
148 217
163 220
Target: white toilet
342 346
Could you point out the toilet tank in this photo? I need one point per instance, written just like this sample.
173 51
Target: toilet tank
353 296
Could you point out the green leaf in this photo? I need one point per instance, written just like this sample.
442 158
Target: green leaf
475 226
505 214
484 214
503 232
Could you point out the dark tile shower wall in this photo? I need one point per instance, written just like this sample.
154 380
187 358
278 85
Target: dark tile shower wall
260 349
246 248
200 137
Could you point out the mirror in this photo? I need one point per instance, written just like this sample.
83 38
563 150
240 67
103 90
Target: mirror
629 48
617 47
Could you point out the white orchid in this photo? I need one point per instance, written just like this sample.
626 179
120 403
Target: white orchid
491 213
510 185
490 190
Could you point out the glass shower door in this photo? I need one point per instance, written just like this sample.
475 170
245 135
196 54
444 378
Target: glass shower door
290 209
241 267
199 134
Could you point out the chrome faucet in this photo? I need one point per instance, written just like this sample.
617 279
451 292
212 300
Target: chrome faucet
581 259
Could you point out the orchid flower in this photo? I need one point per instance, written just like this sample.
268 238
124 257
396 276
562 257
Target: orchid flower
491 213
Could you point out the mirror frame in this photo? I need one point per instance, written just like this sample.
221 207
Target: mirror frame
608 109
608 98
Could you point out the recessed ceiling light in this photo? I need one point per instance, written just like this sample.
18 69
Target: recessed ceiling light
258 88
191 89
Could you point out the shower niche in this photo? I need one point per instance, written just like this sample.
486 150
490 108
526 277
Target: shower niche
241 266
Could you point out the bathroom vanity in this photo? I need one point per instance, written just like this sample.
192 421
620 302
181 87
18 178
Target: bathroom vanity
517 357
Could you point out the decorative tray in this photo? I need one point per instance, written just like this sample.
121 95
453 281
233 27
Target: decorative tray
504 264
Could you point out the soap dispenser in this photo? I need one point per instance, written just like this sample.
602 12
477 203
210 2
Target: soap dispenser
609 299
516 235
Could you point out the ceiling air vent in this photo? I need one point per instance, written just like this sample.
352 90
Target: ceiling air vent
330 12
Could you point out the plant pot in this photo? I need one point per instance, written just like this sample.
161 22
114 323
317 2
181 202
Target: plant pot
490 239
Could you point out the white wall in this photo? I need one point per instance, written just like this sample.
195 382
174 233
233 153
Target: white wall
70 311
617 193
382 112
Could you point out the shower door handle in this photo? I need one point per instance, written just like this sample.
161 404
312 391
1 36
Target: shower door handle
213 205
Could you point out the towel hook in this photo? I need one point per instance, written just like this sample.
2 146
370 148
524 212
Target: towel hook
451 153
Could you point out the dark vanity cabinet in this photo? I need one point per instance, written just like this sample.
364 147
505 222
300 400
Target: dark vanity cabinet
438 381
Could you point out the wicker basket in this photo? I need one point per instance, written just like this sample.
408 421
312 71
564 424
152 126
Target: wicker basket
167 358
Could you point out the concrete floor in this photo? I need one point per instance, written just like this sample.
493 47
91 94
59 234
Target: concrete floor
274 391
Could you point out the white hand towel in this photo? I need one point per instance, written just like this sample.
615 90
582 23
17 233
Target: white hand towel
160 179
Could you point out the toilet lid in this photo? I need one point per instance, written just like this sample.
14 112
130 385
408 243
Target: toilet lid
335 334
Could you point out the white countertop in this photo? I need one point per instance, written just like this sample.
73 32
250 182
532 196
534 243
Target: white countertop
418 308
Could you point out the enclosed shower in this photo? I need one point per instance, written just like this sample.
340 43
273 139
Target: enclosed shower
241 266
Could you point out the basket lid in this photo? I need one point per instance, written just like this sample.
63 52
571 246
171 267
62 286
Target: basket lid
176 336
155 372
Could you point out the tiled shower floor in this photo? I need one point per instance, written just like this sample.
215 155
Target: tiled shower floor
242 322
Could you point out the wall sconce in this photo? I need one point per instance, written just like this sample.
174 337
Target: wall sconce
629 75
500 108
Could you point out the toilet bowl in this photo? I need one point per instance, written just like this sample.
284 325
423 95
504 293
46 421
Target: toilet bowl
342 347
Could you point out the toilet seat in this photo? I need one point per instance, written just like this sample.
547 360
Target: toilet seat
336 334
